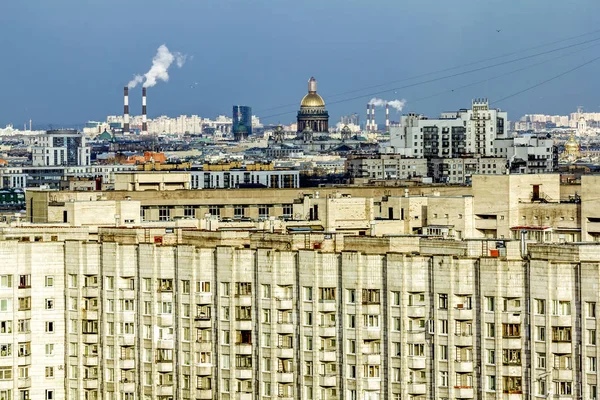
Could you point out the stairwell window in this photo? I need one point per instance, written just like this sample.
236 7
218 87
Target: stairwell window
561 307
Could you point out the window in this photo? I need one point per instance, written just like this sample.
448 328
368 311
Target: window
591 364
72 280
416 349
591 334
49 281
49 372
561 333
308 343
266 291
225 289
512 385
541 360
5 304
563 388
351 295
561 307
540 333
443 378
540 306
371 321
5 374
308 320
491 382
243 289
110 283
370 296
203 287
443 326
24 303
592 392
351 346
49 304
185 287
511 356
511 330
24 281
6 281
326 294
351 321
308 293
443 352
49 326
591 310
5 350
491 356
266 316
490 330
395 298
5 327
443 301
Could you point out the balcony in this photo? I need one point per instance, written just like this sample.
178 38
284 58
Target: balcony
127 340
463 392
245 301
372 309
243 348
328 356
164 366
285 377
285 328
164 390
417 388
203 323
244 325
328 380
511 318
165 344
90 291
243 373
24 360
416 336
128 363
90 314
327 331
165 319
372 384
415 311
90 383
89 338
512 343
562 374
285 352
373 359
127 294
24 383
372 334
327 306
128 316
204 370
463 314
204 299
562 320
284 304
415 362
463 340
90 361
204 394
463 366
204 345
128 387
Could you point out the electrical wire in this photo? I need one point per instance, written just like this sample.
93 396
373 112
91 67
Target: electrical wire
445 76
447 69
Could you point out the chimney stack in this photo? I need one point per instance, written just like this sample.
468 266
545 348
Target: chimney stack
125 109
144 123
373 123
387 117
368 123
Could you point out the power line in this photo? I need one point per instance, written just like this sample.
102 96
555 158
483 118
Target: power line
547 80
447 76
448 69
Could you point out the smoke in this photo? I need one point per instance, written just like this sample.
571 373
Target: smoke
160 68
398 105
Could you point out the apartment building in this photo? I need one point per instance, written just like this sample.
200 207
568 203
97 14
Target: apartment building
431 319
386 167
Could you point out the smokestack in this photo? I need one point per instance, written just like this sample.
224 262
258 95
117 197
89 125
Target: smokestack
125 109
368 123
373 123
144 123
387 117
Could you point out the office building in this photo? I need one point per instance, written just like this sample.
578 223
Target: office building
61 147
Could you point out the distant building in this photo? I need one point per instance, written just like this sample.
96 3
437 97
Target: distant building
452 135
61 147
312 115
528 154
352 119
242 122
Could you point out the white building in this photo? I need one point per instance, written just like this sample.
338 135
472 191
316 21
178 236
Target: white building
528 154
61 147
453 134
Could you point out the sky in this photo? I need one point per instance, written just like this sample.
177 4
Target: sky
65 62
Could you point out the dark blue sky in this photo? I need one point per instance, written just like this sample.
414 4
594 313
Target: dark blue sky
66 61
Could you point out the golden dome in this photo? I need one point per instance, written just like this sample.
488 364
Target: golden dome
312 100
572 146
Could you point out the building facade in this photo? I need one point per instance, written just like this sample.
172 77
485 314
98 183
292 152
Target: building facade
62 147
109 320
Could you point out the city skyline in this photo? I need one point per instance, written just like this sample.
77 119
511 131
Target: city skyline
88 70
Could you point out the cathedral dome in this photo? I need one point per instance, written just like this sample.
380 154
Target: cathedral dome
572 147
312 100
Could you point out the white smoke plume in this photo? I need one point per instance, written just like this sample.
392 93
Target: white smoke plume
398 105
160 67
